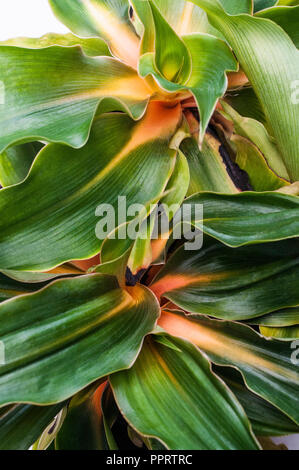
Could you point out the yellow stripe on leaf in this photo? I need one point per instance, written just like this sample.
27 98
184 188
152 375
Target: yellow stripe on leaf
123 42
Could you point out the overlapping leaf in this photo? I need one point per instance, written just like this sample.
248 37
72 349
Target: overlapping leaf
173 372
61 224
245 101
46 440
283 317
265 365
266 420
11 288
287 333
66 336
108 19
53 93
250 159
262 4
144 250
83 427
31 277
256 132
229 283
172 57
248 217
207 168
91 46
184 17
270 60
235 7
207 81
23 424
287 18
15 162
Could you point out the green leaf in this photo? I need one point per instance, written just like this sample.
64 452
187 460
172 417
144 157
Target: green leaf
116 267
179 182
77 182
234 284
91 46
287 18
115 254
288 2
248 217
141 254
15 162
270 61
172 57
283 317
266 365
143 251
234 7
110 415
42 277
252 161
83 427
47 438
184 17
207 81
53 93
56 340
23 424
108 19
256 132
287 333
245 102
137 440
10 287
162 376
266 420
207 169
262 4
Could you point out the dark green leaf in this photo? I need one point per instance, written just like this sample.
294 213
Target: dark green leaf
61 224
23 424
175 397
15 162
248 217
234 284
262 4
207 168
287 18
59 340
266 365
265 419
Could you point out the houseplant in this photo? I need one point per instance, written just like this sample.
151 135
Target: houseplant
114 341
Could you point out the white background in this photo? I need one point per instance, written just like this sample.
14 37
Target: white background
33 18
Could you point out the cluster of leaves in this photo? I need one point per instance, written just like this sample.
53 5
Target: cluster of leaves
141 343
